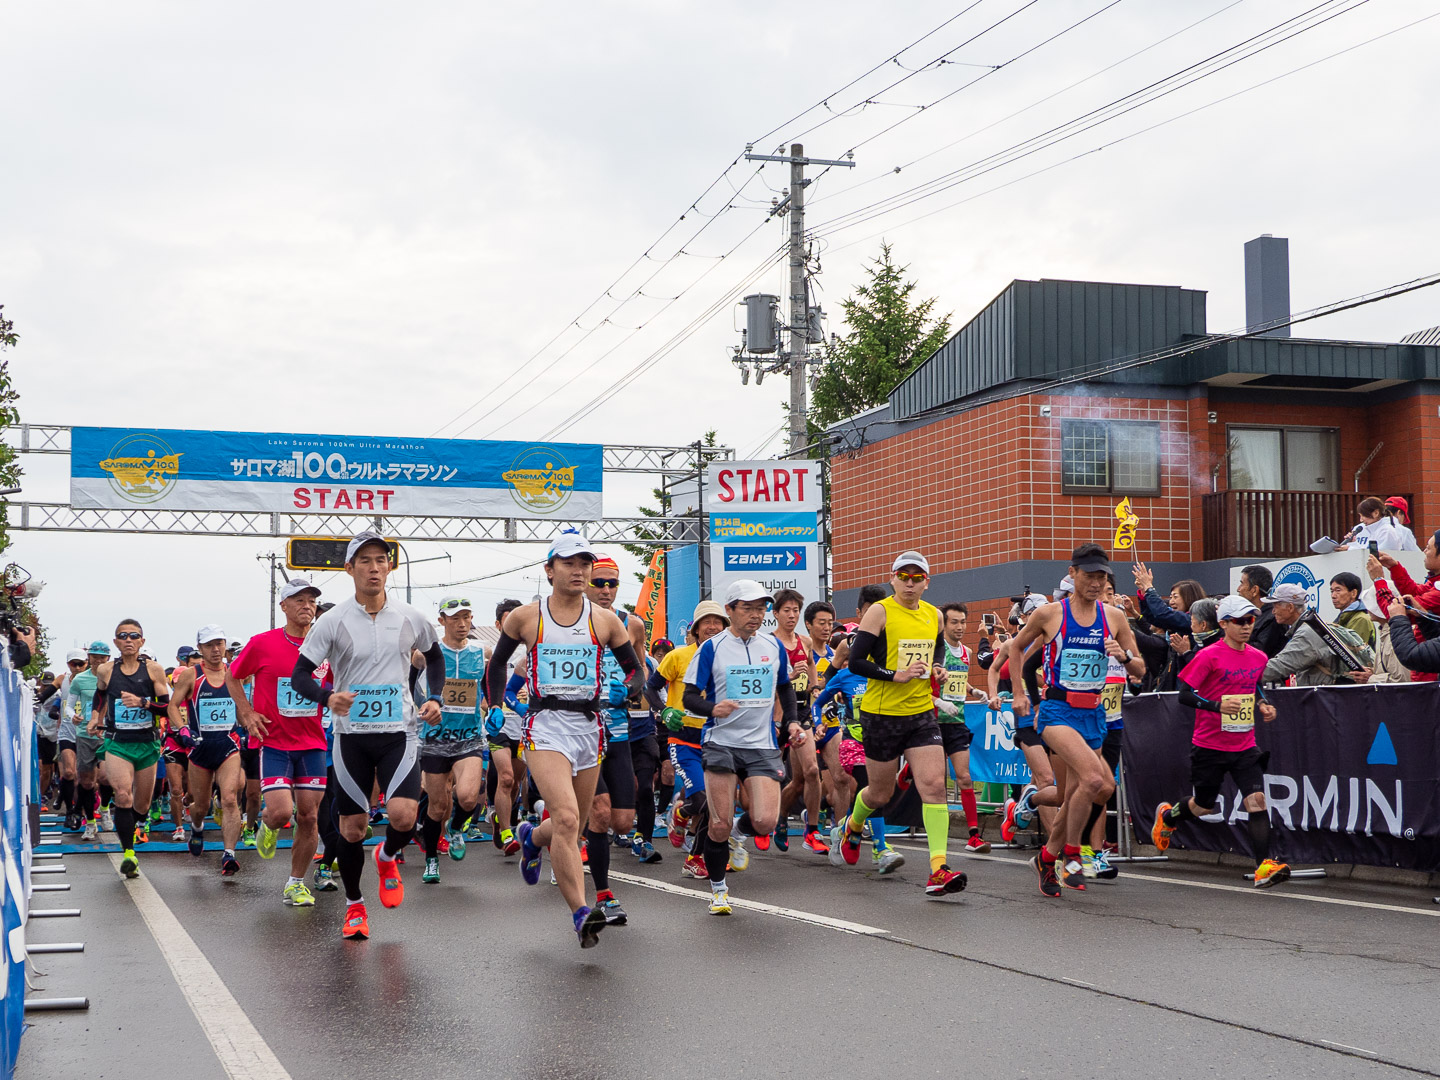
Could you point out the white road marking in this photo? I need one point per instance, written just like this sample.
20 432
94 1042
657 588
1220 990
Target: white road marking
1077 982
1347 1046
242 1052
1248 890
754 905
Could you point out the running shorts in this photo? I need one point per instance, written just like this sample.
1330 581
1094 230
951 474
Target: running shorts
1110 748
250 762
1208 768
1090 723
87 753
852 755
956 737
176 755
65 744
47 749
645 753
141 755
440 764
1027 736
361 761
744 762
689 770
579 738
300 770
617 776
887 737
213 751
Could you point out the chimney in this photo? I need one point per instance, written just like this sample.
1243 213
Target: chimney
1267 283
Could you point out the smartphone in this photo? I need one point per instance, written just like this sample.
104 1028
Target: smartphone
1374 549
989 620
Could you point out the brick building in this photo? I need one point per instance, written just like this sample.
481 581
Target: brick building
1018 437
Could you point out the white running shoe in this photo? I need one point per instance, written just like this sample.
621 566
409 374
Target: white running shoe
739 856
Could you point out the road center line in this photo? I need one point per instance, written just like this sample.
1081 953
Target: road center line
1248 890
242 1052
754 905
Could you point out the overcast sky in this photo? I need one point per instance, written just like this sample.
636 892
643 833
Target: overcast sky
361 218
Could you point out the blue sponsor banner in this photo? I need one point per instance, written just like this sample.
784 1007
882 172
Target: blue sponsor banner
754 557
14 899
798 528
682 589
234 470
994 757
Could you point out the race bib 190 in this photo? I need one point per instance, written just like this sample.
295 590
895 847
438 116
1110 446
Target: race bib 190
750 685
565 670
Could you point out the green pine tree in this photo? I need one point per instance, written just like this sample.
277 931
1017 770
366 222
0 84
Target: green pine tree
10 474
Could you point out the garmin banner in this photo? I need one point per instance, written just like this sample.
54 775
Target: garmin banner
1353 775
124 468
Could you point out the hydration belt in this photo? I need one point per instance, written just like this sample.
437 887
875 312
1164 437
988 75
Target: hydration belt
1076 699
589 707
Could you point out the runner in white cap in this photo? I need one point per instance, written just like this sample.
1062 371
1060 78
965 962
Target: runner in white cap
564 733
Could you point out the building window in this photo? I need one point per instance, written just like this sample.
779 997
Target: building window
1284 458
1109 457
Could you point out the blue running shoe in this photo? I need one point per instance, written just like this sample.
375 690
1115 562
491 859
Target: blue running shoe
1025 807
529 856
588 924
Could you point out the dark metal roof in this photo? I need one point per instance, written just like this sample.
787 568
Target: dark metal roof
1045 330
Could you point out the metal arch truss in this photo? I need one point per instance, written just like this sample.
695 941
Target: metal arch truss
55 439
60 517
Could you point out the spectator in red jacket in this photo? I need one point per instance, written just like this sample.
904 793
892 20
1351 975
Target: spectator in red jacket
1423 597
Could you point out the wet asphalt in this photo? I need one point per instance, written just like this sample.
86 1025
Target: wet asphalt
1173 970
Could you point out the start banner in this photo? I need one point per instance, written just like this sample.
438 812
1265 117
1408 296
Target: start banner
1353 775
150 468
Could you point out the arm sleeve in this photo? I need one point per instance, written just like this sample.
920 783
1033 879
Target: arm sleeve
789 706
1192 700
655 690
495 673
1159 613
302 681
625 656
697 705
435 669
1029 670
512 687
860 661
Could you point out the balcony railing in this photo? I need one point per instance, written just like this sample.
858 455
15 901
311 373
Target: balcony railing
1274 524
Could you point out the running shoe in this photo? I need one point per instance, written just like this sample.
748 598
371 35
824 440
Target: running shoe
392 889
324 878
782 838
229 865
218 814
887 860
107 821
844 848
977 846
1103 870
720 899
945 880
588 924
431 875
739 854
812 842
197 843
142 833
675 825
606 903
473 831
1161 831
694 867
902 778
92 831
247 837
155 814
357 924
442 846
1071 873
1007 822
762 843
297 895
178 836
1087 861
620 839
72 822
1049 885
645 851
512 845
688 847
457 844
553 879
1025 807
266 841
530 854
1270 873
130 865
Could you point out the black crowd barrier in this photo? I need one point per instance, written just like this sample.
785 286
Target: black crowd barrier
1353 775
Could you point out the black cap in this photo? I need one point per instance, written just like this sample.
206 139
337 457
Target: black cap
1090 557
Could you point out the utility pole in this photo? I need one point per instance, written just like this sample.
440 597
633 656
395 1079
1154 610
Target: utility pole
799 292
274 561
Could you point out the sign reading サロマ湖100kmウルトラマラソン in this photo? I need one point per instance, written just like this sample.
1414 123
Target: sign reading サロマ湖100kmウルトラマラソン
151 468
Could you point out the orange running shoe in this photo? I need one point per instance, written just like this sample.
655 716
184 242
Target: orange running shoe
1160 832
762 843
392 889
812 842
357 923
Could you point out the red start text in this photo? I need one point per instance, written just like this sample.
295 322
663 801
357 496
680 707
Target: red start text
339 498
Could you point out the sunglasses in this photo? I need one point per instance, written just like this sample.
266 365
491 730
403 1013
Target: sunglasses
605 583
454 605
910 578
129 635
1244 620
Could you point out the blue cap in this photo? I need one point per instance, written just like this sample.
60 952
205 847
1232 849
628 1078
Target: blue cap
98 648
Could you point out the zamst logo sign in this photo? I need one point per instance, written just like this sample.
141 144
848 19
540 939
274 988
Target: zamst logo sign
765 558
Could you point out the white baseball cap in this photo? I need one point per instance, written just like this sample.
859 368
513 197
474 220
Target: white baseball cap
910 558
295 586
1289 593
75 654
1235 606
742 590
455 604
210 632
367 537
568 545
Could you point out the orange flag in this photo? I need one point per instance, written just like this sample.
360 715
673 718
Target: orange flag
651 606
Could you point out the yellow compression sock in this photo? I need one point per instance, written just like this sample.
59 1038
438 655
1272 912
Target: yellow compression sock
936 817
859 814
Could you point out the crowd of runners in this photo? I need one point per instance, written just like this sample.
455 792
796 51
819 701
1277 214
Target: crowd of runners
566 739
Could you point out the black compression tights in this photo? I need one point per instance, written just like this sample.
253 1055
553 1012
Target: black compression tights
597 846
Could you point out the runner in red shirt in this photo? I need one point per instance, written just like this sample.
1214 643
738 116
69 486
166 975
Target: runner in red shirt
289 732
